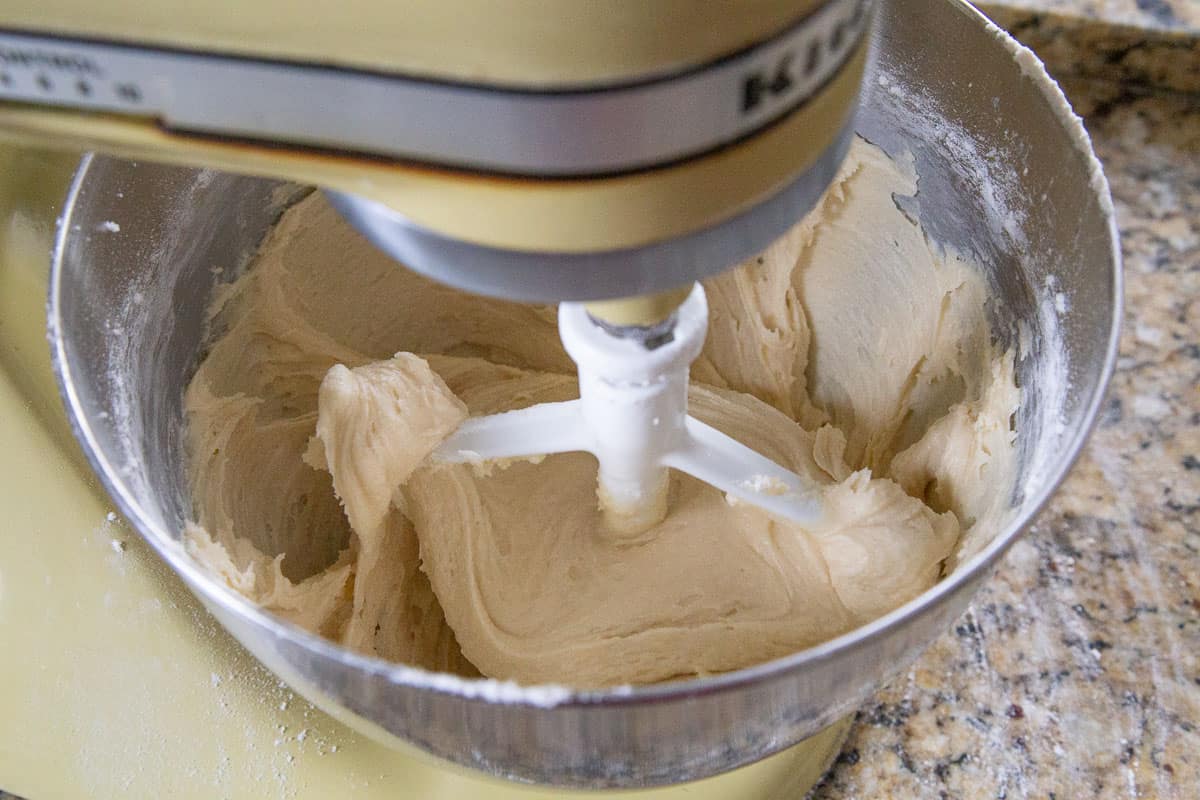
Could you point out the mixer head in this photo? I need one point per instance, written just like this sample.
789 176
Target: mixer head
571 152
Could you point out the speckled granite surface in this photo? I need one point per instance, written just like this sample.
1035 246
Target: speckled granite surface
1160 15
1076 671
1145 42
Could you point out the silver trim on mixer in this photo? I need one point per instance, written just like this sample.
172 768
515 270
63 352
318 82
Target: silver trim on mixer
550 277
593 131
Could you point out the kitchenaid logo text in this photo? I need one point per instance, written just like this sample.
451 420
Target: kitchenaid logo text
812 58
45 59
762 85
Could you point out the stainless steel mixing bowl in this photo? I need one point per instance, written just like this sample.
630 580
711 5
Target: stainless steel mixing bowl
1006 173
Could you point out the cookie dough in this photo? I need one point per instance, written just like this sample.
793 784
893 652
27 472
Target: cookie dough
853 351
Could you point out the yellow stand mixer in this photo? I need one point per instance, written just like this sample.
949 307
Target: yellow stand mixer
605 156
570 152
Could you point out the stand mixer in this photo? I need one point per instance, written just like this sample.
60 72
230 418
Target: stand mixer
451 149
556 154
616 169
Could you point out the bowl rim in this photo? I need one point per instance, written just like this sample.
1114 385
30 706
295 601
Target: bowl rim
558 696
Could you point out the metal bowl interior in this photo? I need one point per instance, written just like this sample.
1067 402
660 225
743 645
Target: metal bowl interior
1006 174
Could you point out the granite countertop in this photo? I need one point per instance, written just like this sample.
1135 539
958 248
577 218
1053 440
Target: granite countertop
1153 43
1075 673
1182 16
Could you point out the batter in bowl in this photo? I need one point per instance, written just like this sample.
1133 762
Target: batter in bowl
854 352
